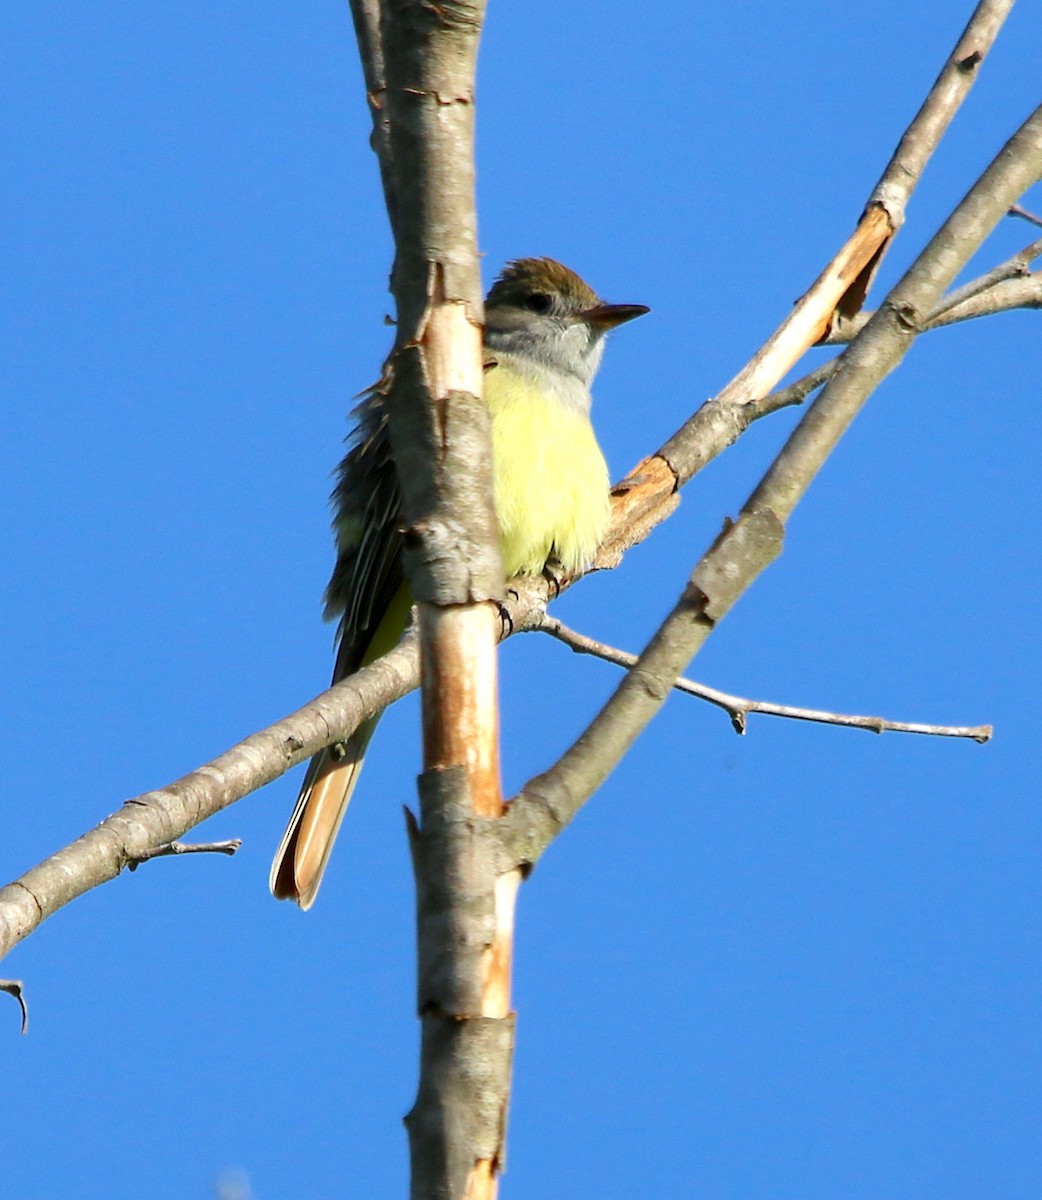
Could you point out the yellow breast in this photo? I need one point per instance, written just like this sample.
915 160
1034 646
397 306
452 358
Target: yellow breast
551 480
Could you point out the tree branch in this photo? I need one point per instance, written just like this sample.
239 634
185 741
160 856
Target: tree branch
647 495
1018 210
549 801
1015 266
440 432
1006 296
366 17
739 707
174 849
1008 286
922 137
156 818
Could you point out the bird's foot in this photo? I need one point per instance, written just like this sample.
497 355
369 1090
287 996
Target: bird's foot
553 578
506 621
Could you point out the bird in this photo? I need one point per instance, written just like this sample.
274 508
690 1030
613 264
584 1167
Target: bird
543 342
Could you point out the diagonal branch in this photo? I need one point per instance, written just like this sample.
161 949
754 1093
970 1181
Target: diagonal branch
647 494
1018 210
549 801
986 295
1005 296
1016 266
162 816
957 76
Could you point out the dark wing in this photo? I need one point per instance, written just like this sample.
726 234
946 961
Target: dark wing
367 524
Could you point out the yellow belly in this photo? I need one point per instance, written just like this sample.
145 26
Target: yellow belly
551 480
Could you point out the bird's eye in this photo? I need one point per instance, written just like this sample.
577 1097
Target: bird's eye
538 302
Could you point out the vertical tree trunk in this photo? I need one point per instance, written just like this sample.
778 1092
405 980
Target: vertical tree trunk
424 122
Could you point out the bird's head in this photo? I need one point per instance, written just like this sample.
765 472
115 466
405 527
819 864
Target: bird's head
540 310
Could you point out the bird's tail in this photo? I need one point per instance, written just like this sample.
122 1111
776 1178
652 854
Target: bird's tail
301 858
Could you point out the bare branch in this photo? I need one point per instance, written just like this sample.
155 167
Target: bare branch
1007 296
13 987
947 94
1014 267
797 391
647 495
160 817
366 17
172 849
440 433
739 707
886 338
744 549
1017 210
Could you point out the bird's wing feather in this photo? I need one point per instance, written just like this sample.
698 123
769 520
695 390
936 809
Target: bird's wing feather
367 520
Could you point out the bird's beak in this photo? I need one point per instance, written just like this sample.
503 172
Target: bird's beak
607 316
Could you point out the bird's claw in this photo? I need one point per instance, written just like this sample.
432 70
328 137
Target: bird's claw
552 580
506 621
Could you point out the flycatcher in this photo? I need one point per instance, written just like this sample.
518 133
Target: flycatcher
544 337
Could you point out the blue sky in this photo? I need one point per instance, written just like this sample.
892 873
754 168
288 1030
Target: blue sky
800 964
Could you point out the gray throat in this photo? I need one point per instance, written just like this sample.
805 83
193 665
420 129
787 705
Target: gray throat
564 364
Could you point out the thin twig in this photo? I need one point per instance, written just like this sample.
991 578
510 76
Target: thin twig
1015 266
1018 210
798 391
13 987
171 849
738 707
1006 295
